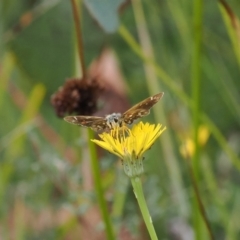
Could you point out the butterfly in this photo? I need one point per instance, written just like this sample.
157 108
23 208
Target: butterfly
116 119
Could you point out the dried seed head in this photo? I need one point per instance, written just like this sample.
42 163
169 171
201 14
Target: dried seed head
78 96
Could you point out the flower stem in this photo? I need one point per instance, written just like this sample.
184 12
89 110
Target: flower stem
78 36
137 187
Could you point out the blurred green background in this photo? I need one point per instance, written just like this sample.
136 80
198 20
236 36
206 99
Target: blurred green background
190 50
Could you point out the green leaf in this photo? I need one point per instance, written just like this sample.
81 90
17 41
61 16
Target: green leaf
105 12
44 49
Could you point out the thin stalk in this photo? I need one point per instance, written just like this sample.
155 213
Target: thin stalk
199 200
232 25
154 86
165 78
98 188
138 191
78 36
196 78
211 184
196 86
7 66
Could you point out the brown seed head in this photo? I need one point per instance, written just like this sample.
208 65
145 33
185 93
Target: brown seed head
78 96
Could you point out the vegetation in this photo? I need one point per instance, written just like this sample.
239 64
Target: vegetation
54 182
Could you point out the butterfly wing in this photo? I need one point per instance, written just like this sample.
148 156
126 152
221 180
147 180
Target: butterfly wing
99 123
93 122
141 109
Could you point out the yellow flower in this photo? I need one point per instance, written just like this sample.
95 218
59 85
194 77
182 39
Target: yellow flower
130 144
188 147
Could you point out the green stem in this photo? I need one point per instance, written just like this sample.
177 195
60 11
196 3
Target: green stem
198 199
196 89
196 78
98 188
155 86
137 187
231 22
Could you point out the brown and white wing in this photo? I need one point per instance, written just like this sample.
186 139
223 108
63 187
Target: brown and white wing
93 122
141 109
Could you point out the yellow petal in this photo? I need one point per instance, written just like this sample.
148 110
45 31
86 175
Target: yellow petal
136 141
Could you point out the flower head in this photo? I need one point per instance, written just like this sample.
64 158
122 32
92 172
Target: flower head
77 96
131 144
